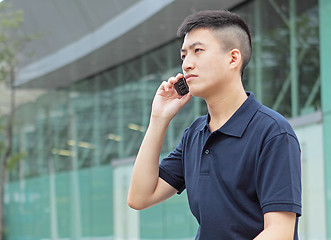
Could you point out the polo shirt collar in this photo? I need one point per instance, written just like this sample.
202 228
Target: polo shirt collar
239 121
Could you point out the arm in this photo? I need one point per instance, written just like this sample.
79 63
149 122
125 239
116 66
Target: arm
279 186
146 188
278 226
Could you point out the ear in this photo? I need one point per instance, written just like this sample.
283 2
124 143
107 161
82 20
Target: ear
235 59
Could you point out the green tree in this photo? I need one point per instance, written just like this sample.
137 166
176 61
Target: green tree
12 44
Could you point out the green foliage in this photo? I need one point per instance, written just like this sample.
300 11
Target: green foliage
12 40
10 19
10 37
15 159
12 43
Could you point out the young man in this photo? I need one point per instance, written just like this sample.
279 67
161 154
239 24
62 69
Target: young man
240 164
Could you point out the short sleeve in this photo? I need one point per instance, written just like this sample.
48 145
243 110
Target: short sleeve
171 168
278 178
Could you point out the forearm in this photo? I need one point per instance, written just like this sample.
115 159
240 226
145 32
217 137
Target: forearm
146 187
275 233
278 226
145 175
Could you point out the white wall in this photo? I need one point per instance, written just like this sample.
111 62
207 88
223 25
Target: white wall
313 221
126 220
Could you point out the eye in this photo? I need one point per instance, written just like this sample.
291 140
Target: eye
198 50
182 57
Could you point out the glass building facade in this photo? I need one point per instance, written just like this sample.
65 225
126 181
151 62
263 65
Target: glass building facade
80 141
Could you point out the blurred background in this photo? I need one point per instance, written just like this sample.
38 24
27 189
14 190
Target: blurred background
77 81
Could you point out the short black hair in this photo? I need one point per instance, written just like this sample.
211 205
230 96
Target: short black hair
229 27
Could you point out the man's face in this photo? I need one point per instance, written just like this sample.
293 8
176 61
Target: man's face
204 62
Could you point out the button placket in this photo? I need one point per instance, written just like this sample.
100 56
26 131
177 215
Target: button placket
206 157
205 163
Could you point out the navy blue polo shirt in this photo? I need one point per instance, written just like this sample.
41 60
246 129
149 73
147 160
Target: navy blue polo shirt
248 167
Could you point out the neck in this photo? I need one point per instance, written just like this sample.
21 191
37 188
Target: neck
223 105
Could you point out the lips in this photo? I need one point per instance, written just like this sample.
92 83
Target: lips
189 76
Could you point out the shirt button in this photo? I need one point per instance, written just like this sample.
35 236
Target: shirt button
207 151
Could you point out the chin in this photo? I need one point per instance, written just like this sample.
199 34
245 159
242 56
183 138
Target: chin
196 93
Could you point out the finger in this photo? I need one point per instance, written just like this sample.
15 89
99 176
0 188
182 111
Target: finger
186 98
166 86
173 80
179 75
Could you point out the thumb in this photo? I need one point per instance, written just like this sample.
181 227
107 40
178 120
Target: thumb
186 98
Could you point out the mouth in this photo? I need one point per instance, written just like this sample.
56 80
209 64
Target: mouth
188 77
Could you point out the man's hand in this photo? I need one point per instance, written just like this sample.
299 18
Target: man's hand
167 103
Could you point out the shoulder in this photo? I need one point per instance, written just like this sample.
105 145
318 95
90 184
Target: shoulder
275 119
273 123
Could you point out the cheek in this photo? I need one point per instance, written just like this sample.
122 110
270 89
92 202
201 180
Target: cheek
214 68
215 61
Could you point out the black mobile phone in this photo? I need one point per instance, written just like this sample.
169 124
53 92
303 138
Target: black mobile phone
181 87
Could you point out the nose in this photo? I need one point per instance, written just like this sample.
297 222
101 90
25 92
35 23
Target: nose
187 64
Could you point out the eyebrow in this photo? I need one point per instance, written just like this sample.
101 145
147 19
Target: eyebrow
191 46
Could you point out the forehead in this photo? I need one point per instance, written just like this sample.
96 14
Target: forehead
200 36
